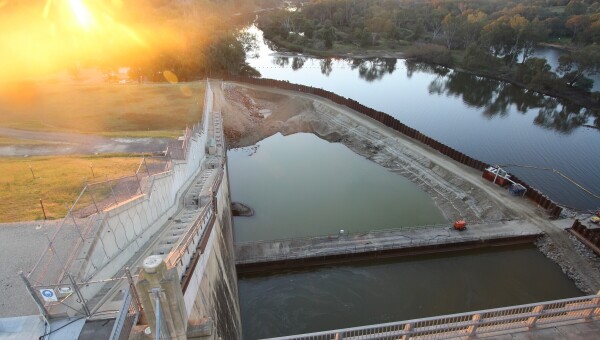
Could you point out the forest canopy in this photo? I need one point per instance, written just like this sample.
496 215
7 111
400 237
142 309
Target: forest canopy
483 35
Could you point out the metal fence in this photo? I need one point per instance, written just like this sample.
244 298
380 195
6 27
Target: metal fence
58 268
129 313
523 317
127 318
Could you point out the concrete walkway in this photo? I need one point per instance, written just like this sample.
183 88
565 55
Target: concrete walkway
402 238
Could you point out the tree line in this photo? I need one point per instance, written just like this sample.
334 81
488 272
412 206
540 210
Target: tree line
496 36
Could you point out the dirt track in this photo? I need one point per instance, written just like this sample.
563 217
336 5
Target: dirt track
62 143
459 191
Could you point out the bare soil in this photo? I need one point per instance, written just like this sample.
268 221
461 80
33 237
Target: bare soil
459 191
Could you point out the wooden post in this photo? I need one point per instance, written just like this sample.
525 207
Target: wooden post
43 210
31 169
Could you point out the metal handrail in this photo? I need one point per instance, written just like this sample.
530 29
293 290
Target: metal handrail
472 323
177 253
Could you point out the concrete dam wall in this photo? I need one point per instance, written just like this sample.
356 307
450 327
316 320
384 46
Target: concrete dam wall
197 279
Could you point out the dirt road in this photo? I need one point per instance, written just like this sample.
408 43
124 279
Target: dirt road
62 143
459 191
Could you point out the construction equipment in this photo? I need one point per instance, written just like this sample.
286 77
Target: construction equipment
460 225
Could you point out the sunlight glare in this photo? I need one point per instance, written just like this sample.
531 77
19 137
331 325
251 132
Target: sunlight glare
82 13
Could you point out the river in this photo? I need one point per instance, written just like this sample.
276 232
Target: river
300 185
492 121
373 292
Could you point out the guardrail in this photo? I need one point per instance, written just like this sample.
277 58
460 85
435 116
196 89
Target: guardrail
535 195
182 252
471 324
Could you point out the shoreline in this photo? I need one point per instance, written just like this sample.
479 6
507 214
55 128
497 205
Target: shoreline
574 96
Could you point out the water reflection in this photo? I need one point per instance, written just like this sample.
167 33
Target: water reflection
297 63
326 66
281 61
497 98
373 69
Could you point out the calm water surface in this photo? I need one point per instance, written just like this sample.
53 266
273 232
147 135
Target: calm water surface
301 185
489 120
381 291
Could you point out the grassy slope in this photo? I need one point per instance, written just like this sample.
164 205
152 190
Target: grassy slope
58 182
132 110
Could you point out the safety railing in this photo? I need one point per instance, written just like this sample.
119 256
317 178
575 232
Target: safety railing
129 312
188 243
471 324
184 250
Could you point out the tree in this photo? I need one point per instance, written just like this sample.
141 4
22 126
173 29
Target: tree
450 28
532 33
535 72
576 23
575 7
499 36
576 65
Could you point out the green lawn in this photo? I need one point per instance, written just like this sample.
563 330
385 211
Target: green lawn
133 110
58 181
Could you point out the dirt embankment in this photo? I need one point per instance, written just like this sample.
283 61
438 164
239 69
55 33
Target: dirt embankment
459 191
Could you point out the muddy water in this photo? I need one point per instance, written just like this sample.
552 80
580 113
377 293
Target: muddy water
301 185
394 290
492 121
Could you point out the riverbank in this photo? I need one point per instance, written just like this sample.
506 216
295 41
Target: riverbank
458 190
571 94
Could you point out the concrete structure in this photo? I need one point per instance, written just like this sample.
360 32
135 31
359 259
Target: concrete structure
180 231
193 263
181 222
267 255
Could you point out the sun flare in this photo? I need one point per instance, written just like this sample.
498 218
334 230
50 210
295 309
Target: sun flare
82 13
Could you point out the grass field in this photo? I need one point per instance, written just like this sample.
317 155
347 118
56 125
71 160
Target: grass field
58 181
128 110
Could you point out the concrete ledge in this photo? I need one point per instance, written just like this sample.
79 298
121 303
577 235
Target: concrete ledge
383 253
270 255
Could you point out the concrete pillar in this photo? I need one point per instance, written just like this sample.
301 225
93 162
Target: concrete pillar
155 274
532 320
